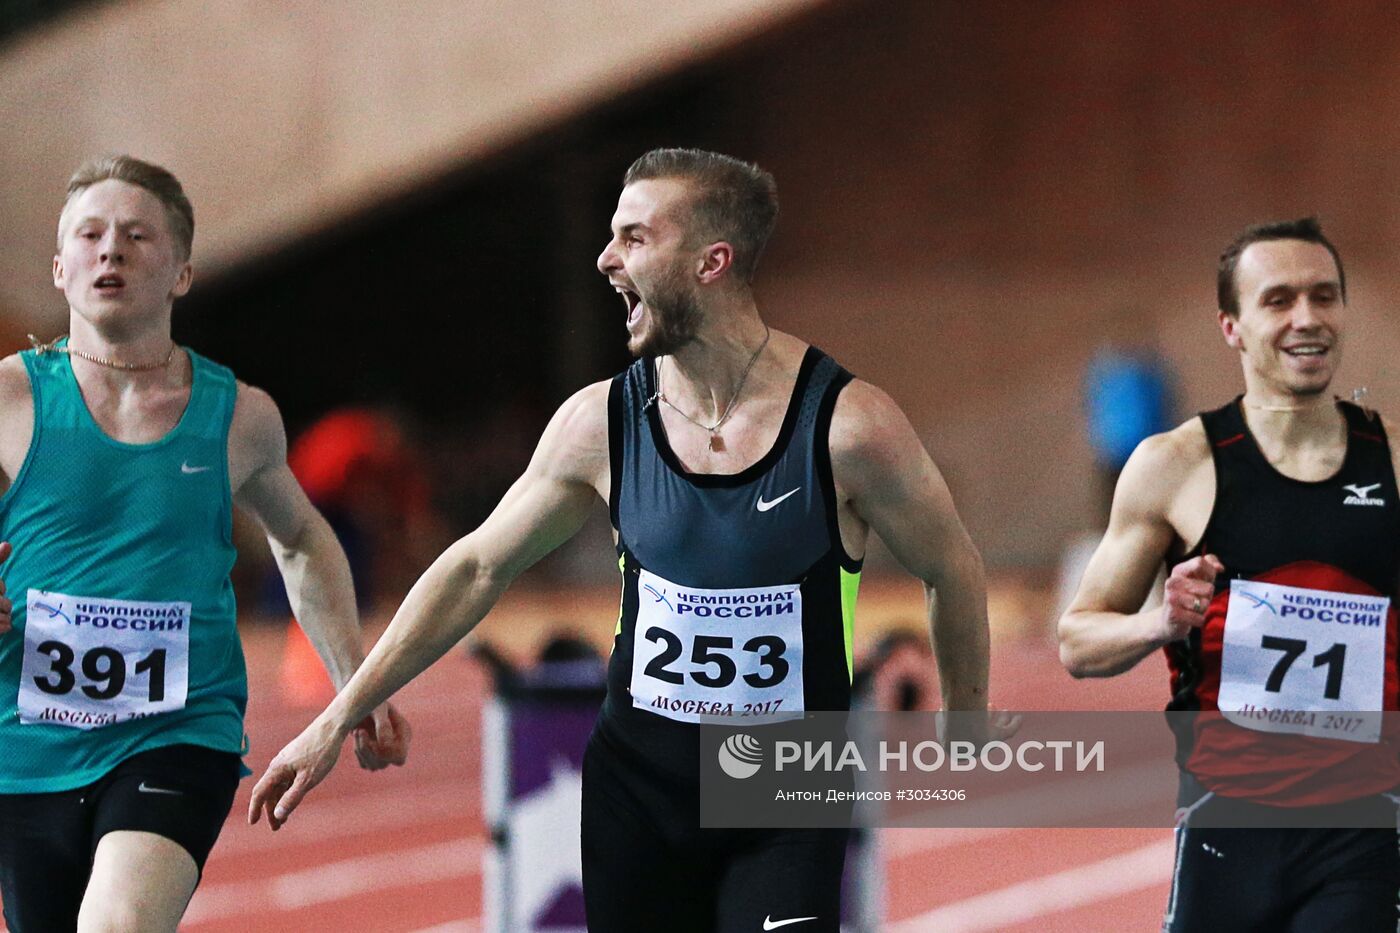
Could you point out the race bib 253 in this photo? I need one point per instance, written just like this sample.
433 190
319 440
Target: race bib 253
698 654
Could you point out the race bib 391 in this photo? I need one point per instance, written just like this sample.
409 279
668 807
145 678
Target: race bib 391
701 654
91 662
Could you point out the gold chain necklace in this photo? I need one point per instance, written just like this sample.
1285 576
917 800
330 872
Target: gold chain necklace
1279 408
53 347
716 442
1358 398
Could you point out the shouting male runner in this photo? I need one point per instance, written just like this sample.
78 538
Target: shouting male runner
122 685
741 468
1279 516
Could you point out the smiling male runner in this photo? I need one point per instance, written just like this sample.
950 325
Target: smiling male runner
743 470
1279 516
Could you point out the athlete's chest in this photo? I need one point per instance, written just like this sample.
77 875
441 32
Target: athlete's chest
763 524
135 416
767 531
1350 521
741 441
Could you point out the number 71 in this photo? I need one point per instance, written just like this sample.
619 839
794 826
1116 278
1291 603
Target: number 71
1292 648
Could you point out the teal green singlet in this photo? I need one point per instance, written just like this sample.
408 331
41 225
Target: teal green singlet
124 635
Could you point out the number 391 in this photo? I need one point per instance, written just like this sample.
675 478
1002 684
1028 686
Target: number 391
104 668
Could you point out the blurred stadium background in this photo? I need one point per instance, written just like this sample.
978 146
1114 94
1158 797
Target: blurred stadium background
399 207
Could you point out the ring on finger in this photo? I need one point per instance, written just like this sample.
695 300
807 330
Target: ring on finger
1196 604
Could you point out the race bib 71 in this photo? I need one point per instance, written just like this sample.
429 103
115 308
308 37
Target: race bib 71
1304 661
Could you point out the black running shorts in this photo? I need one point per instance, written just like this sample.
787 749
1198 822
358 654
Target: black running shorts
47 841
1294 880
648 866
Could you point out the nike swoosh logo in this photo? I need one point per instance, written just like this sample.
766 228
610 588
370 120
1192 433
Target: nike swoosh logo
144 788
770 924
765 506
186 468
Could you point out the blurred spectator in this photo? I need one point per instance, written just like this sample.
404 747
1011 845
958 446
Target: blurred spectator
1128 397
368 479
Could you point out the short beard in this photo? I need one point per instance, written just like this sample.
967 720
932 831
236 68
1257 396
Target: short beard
675 320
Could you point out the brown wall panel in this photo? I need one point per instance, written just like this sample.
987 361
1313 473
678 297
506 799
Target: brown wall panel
976 196
285 119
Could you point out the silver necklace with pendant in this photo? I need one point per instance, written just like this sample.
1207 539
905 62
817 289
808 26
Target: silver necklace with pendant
716 442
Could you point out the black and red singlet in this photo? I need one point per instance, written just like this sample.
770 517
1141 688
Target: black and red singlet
1298 654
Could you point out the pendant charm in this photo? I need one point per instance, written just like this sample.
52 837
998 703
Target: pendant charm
40 347
716 442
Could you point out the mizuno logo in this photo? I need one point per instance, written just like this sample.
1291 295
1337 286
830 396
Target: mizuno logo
771 924
1361 495
186 468
145 788
765 506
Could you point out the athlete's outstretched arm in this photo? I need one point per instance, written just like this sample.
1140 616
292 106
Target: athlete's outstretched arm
891 482
1105 631
544 508
312 563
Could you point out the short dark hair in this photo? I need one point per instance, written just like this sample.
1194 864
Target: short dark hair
734 200
158 181
1307 229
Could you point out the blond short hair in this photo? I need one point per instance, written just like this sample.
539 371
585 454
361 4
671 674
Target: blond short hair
179 213
732 199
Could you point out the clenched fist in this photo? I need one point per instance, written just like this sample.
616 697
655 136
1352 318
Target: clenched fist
1189 591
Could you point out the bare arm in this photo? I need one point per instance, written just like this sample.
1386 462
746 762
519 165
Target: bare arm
16 418
1105 631
16 432
311 561
545 507
893 485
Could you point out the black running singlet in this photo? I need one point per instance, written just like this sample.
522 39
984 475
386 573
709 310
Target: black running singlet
1301 634
737 596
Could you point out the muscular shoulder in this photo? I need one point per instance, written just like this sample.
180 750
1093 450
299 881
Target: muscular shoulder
869 432
14 381
1162 469
16 397
16 417
575 444
584 415
257 422
256 438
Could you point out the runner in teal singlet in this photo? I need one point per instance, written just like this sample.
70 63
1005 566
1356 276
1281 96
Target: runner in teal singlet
723 432
122 685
